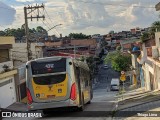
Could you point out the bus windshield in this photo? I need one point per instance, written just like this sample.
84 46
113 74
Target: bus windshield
47 80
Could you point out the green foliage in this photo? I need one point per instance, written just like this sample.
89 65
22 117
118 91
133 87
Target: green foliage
155 27
118 61
145 36
79 36
91 63
118 48
20 32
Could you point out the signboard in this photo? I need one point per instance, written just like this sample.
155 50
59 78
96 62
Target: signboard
122 72
123 77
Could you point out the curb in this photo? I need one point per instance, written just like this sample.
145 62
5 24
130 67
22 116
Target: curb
136 96
157 99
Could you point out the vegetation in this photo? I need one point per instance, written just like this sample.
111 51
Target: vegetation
145 36
118 48
78 36
90 62
155 27
118 60
20 32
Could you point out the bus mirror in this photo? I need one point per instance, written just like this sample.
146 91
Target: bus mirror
26 66
70 63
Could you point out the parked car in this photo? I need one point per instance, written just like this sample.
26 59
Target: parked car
114 84
105 66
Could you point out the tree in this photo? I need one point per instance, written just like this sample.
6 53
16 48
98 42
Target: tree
145 36
20 32
40 29
78 36
91 63
119 61
2 33
155 27
118 48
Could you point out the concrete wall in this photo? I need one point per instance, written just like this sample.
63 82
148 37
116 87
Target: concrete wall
7 40
8 63
134 61
157 38
19 52
147 77
158 77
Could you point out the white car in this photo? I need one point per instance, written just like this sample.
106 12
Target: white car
114 84
105 66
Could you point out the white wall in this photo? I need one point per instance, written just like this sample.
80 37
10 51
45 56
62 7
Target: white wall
7 92
8 63
19 52
157 38
147 76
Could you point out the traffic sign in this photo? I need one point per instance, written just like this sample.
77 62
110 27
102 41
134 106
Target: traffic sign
123 77
122 72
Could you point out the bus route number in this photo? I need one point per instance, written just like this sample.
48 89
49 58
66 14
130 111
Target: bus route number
49 66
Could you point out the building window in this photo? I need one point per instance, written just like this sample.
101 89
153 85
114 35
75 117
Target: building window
4 55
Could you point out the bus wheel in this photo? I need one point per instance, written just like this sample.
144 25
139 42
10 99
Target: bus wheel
46 111
89 102
82 104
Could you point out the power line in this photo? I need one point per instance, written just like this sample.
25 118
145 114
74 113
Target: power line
51 20
45 20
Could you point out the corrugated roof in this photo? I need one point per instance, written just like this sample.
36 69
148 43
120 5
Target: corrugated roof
130 41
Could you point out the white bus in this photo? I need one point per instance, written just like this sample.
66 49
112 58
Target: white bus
56 82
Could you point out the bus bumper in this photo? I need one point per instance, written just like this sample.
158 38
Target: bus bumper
47 105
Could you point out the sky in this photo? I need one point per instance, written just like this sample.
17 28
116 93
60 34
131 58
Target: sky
81 16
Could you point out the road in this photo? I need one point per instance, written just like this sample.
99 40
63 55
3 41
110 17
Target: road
101 106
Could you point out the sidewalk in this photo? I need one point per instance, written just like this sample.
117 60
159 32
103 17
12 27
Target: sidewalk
17 107
136 97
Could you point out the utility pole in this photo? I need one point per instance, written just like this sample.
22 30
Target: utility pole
74 51
29 10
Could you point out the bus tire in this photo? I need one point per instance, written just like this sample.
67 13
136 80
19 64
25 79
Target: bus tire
89 102
45 112
82 104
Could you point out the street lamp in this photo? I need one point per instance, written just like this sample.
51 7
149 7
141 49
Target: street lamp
54 27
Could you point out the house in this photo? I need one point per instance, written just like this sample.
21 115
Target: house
154 70
84 42
51 43
7 72
79 50
150 63
128 44
20 55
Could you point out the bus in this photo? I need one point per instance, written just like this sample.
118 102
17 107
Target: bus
57 82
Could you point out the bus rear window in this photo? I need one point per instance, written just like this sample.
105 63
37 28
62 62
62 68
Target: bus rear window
44 67
47 80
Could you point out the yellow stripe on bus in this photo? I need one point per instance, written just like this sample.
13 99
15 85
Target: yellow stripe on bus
50 91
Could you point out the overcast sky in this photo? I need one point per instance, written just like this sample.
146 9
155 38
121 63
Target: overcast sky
86 16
